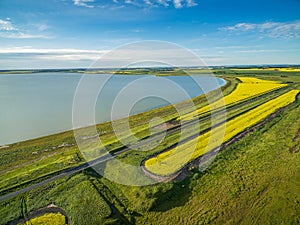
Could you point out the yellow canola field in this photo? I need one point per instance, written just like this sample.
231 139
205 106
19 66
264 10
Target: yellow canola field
288 70
173 160
48 219
249 88
270 69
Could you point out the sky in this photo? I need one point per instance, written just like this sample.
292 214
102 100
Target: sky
38 34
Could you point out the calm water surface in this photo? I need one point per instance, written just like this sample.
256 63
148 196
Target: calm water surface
34 105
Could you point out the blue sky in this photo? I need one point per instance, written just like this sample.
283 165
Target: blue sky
74 33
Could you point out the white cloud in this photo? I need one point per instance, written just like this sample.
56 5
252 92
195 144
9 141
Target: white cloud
177 4
136 30
42 27
21 35
240 27
84 3
190 3
147 2
29 49
163 2
287 30
139 3
52 54
236 47
9 30
266 50
6 25
115 58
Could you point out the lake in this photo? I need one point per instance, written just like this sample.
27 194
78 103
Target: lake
35 105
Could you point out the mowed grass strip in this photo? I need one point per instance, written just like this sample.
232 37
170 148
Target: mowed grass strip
173 160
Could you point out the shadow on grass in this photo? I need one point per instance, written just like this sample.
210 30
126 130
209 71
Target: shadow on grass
104 192
177 196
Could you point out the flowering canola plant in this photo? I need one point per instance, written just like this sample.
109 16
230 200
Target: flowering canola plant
171 161
248 88
283 69
48 219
